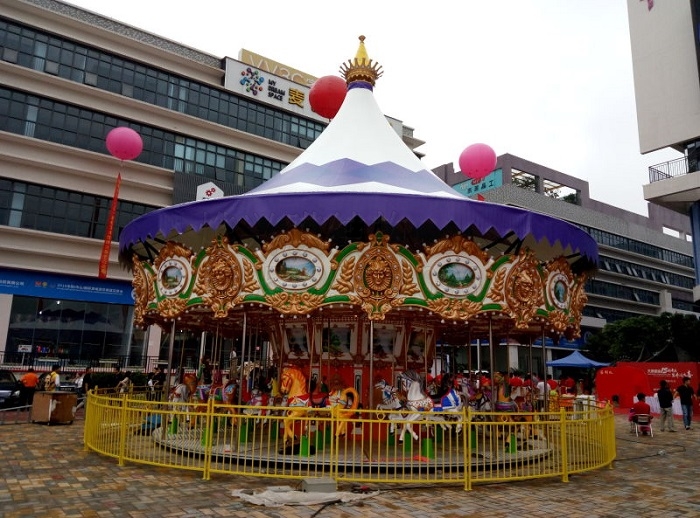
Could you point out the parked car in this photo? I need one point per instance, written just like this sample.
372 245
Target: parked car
9 389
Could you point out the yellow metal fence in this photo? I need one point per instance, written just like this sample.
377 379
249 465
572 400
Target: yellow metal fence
465 448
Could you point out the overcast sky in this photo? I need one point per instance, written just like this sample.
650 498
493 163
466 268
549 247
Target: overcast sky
546 80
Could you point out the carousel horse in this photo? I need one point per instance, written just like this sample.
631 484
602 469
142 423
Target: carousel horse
257 403
417 401
450 403
478 398
293 385
390 401
348 400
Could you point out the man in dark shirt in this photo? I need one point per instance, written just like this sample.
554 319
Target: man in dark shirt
686 393
665 397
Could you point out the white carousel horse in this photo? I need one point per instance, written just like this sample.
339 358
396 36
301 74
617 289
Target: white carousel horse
390 401
416 401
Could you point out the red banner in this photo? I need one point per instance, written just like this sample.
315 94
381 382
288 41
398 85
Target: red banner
107 246
671 372
627 379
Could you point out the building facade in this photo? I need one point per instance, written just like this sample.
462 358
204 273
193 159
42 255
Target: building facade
642 270
69 76
665 47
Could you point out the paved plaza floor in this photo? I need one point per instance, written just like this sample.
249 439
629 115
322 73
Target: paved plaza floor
45 471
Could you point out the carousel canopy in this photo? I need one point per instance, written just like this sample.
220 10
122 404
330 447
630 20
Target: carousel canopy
357 229
358 177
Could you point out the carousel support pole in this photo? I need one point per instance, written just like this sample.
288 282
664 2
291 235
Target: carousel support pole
371 363
491 356
243 357
310 342
544 371
425 349
469 353
171 348
202 345
328 362
478 354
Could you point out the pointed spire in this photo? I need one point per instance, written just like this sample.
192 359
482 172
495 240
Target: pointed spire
362 68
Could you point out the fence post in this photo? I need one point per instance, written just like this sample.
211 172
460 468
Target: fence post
467 432
208 432
334 449
122 429
564 445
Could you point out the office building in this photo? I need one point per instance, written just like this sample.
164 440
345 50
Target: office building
665 46
69 76
645 264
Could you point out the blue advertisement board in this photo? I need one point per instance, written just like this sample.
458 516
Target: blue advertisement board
64 287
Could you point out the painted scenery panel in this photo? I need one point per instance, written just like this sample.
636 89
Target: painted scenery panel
456 275
416 345
336 340
296 340
384 340
295 269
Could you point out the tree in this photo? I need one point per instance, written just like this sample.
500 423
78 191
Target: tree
669 337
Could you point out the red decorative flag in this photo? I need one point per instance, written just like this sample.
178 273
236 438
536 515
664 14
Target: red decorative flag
106 247
480 197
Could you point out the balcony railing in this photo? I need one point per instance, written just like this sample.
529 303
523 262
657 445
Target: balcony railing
672 169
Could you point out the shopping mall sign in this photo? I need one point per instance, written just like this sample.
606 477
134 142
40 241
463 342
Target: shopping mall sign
270 82
472 187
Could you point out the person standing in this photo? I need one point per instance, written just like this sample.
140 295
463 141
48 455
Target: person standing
29 382
686 394
118 376
85 385
665 397
53 379
125 384
159 379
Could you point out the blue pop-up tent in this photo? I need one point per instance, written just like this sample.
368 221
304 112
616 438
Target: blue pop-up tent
576 359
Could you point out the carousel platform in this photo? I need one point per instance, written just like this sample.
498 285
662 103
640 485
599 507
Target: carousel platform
263 448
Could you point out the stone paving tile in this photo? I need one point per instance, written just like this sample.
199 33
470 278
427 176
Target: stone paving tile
45 471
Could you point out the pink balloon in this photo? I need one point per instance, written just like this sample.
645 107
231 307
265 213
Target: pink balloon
124 143
327 95
477 161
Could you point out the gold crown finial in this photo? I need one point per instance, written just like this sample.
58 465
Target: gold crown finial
361 68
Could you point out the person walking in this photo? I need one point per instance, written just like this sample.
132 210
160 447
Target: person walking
29 385
686 394
665 397
85 385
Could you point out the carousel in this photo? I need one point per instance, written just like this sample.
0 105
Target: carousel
356 264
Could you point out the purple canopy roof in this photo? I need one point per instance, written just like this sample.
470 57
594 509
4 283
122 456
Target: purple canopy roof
359 167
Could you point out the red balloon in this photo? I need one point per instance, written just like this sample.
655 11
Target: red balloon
327 95
552 384
477 161
124 143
